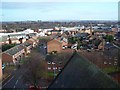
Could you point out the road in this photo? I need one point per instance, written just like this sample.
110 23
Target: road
43 49
16 79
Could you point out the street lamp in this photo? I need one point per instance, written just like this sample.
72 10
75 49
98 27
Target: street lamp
53 68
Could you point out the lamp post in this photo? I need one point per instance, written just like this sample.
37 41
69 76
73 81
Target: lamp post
53 69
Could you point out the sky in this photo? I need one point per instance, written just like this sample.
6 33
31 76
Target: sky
61 10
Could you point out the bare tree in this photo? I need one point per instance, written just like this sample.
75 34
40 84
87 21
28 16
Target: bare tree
36 69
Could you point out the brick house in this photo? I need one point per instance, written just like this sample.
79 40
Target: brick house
32 41
13 55
54 45
16 53
27 47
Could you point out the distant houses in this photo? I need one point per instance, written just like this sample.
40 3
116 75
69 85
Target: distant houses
18 38
57 44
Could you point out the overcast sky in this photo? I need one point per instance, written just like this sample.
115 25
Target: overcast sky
45 11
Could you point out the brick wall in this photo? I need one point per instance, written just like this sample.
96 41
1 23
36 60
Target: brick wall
6 58
54 45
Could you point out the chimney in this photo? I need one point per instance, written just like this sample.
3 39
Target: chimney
10 41
21 40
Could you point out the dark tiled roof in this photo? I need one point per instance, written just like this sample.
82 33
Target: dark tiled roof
14 50
80 73
26 44
17 48
81 35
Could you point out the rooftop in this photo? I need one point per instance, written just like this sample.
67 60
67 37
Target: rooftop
14 50
80 73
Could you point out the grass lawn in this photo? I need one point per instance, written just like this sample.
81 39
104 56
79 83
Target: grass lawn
50 74
10 67
111 69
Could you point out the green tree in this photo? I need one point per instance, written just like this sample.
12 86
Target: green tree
109 38
7 46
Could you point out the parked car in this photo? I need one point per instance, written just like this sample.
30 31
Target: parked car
3 66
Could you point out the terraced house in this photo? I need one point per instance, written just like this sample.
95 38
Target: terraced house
15 54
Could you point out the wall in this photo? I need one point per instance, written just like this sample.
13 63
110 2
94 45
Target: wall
6 58
54 46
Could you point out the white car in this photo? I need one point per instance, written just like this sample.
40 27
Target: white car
45 47
3 66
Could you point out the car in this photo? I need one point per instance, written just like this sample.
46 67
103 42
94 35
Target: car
3 66
88 50
45 47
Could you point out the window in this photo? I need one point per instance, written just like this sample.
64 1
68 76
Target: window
49 68
115 63
54 68
59 67
53 63
109 62
105 62
115 59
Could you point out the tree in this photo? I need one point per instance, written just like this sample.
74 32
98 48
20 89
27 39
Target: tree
7 46
109 38
36 69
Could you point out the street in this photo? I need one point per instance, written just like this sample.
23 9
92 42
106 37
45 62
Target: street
43 49
16 80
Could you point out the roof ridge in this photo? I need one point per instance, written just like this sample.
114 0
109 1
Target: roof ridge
62 69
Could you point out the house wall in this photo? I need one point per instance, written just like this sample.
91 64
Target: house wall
54 46
6 58
19 55
28 49
32 42
54 66
64 43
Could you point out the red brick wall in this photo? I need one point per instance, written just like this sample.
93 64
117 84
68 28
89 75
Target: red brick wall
6 58
54 46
